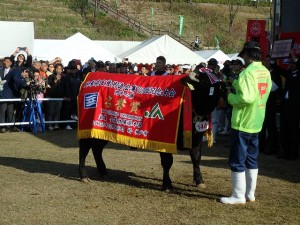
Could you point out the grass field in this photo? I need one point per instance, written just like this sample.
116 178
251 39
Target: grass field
40 185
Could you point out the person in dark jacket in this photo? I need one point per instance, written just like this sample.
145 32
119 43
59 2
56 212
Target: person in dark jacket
21 59
55 91
269 137
290 111
14 82
71 84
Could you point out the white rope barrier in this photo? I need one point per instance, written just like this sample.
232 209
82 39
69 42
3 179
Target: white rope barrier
23 100
46 122
29 123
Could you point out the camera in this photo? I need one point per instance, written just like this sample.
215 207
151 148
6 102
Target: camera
22 48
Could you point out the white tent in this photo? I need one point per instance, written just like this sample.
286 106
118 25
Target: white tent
117 47
220 56
172 50
233 56
15 34
42 45
77 46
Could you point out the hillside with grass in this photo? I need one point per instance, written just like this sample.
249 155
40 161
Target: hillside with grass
59 19
54 19
207 20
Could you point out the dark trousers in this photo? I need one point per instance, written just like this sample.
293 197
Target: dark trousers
68 108
289 131
269 137
6 112
53 110
244 151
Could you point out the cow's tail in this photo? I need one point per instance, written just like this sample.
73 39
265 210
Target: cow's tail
209 137
208 133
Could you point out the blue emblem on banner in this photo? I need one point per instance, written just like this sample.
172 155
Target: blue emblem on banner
90 100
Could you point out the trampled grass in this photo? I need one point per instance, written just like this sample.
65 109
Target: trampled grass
40 185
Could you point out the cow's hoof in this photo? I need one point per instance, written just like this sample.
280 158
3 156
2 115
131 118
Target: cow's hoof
167 189
85 180
201 186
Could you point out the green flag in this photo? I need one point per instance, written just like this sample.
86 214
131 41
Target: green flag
217 43
180 25
116 4
152 18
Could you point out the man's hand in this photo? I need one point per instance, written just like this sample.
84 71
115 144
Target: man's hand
192 76
16 52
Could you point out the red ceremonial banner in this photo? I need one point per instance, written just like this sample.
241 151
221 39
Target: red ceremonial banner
137 111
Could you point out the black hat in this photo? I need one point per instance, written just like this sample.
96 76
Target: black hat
227 63
212 61
100 64
249 45
239 62
72 65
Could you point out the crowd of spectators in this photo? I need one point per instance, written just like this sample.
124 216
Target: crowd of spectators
54 80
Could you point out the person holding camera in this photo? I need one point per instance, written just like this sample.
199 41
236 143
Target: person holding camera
21 59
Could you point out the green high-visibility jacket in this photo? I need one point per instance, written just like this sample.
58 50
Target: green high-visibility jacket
252 87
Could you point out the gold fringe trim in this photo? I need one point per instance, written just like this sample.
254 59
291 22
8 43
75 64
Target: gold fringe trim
209 137
187 139
129 141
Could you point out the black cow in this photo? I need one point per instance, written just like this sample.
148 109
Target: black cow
205 97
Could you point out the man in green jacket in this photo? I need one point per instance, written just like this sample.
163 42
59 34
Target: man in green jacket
248 99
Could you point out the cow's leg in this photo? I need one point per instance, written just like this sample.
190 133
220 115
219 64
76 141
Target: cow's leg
84 147
97 148
166 163
195 154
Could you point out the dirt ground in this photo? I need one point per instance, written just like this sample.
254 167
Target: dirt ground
40 185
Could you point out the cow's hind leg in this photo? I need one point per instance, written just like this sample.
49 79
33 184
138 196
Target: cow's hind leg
195 154
97 148
84 147
166 162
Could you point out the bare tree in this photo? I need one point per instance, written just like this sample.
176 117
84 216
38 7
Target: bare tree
233 9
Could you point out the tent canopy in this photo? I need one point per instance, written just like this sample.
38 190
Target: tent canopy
15 34
220 56
117 47
233 55
172 50
77 46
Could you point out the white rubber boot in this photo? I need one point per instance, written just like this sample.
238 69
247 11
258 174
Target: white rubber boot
238 180
251 178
